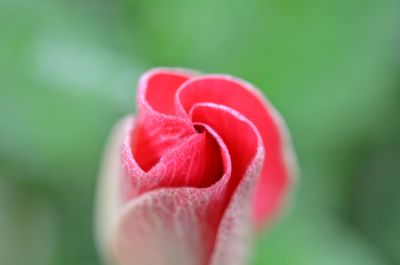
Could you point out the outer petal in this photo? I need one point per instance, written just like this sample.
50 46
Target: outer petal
191 226
108 197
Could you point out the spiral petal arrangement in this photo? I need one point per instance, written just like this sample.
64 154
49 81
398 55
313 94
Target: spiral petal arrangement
205 161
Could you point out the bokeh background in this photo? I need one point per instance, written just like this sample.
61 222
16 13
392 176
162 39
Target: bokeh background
68 71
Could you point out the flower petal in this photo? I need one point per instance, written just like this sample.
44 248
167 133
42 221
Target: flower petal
156 129
109 199
157 88
194 161
239 95
247 156
185 225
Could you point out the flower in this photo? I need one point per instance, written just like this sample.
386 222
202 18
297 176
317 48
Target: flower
206 161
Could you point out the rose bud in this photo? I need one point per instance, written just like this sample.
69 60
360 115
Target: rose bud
204 162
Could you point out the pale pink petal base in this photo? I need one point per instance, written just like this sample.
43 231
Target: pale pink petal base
173 225
109 200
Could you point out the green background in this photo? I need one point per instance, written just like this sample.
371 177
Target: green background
68 71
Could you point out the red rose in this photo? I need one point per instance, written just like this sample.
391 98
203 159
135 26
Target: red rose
205 160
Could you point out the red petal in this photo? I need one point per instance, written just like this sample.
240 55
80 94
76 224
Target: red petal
156 130
238 135
247 154
241 96
157 89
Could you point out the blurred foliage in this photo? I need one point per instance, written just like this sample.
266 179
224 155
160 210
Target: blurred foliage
68 71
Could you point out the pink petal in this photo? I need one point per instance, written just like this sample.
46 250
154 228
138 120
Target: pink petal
241 96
